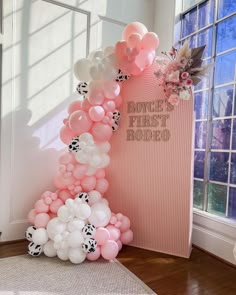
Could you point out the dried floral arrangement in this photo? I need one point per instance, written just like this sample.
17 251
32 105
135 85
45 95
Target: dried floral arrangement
180 70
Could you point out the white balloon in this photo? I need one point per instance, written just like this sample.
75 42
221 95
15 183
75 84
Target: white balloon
81 69
76 255
63 254
105 160
81 157
40 236
75 239
58 238
94 197
95 161
54 227
86 137
83 211
95 73
100 214
64 214
104 147
69 203
49 249
75 224
109 50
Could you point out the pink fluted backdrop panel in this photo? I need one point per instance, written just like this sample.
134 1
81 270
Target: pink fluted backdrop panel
151 181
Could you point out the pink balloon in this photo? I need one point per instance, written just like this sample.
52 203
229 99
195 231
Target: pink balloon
65 180
132 28
134 40
109 105
102 185
41 207
111 89
120 49
96 113
88 183
79 122
58 183
102 235
79 171
100 173
31 216
110 250
56 205
118 101
119 244
150 41
127 237
41 220
101 132
66 134
94 255
52 215
144 59
125 224
114 232
75 106
64 195
66 158
86 105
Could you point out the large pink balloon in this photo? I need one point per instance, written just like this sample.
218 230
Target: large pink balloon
150 41
86 105
88 183
110 250
114 232
79 171
101 132
100 173
54 207
66 158
64 195
79 122
96 113
102 185
133 28
134 41
125 224
41 220
96 97
111 89
41 207
66 134
102 235
75 106
144 59
94 255
127 237
110 105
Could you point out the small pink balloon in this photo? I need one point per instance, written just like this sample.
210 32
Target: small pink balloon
41 220
125 224
58 183
100 173
75 106
111 89
110 250
66 134
119 244
64 195
86 105
127 237
56 205
102 185
118 101
31 216
96 97
79 171
66 180
102 235
109 105
94 255
41 207
144 59
79 122
114 232
150 41
101 132
66 158
88 183
120 49
134 40
133 28
96 113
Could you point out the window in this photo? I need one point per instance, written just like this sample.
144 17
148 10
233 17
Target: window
213 23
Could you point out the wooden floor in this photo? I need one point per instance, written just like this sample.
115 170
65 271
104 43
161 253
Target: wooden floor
202 274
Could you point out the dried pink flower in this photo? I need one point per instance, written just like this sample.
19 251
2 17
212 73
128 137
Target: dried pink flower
173 99
184 75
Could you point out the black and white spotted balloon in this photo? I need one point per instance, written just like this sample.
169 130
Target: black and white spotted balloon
122 77
89 245
83 196
74 145
29 233
35 250
116 118
82 88
88 231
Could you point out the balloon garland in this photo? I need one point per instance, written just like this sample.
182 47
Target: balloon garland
75 222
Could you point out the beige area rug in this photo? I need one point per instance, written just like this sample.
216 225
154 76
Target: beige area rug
26 275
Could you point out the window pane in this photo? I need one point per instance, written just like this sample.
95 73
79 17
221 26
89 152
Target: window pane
225 68
226 35
226 7
205 82
205 38
232 203
206 14
199 158
177 32
201 104
189 22
234 135
233 169
219 166
198 194
222 102
217 196
189 3
220 136
200 135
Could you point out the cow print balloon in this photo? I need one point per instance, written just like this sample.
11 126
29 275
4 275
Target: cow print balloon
74 145
35 250
116 118
29 233
89 245
88 231
82 88
83 196
122 77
